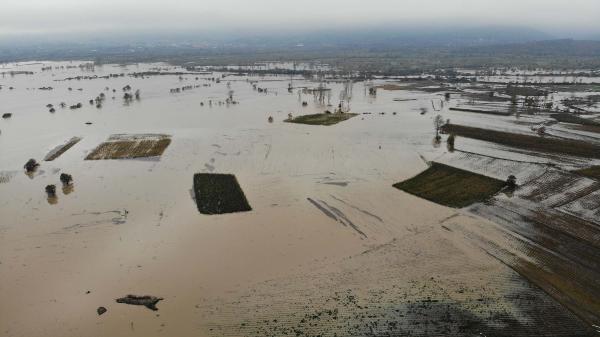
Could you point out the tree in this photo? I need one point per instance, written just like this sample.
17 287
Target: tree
511 182
438 122
450 141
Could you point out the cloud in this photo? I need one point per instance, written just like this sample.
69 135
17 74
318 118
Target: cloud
63 16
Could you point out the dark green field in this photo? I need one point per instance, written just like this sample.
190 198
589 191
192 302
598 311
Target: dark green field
592 172
219 194
532 143
450 186
321 119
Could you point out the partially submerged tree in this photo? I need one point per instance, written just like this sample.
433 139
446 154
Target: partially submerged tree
66 179
31 165
438 122
51 190
450 142
511 182
541 131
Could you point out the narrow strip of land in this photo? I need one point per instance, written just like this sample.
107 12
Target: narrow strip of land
534 143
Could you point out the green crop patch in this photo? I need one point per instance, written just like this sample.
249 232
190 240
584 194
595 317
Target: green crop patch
450 186
321 119
219 194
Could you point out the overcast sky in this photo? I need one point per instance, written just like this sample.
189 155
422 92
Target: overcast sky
68 16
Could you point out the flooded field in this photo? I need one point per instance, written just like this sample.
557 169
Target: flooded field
328 247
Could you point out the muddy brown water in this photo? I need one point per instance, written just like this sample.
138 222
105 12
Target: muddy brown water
385 260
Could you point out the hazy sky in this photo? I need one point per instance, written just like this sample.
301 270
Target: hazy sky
68 16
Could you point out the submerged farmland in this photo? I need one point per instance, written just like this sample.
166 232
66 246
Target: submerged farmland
310 236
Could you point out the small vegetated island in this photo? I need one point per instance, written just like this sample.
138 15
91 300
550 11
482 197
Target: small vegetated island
450 186
322 118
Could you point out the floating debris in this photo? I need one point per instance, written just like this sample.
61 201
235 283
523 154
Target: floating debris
147 301
101 310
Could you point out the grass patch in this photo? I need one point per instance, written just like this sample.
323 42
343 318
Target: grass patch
489 112
59 150
219 194
591 172
524 91
392 87
450 186
321 119
534 143
131 146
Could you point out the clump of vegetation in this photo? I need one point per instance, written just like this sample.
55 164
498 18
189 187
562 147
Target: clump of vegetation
591 172
321 119
532 143
219 194
450 186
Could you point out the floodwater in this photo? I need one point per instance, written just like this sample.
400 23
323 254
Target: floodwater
132 226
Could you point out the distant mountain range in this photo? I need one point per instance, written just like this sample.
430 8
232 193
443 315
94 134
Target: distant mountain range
398 37
386 47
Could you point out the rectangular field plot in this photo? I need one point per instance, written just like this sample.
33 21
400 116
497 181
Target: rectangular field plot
450 186
131 146
219 194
